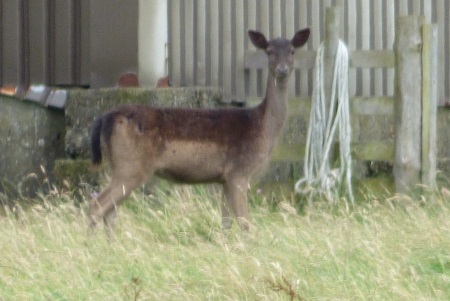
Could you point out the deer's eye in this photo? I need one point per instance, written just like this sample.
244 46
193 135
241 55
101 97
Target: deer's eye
269 51
292 51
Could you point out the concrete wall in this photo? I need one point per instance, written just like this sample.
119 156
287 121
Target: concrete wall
84 105
31 136
443 141
35 139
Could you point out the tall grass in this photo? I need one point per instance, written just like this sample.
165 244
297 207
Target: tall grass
170 246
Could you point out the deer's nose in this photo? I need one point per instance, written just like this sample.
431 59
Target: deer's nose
282 70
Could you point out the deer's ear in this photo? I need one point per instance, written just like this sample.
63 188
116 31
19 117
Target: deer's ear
258 39
300 38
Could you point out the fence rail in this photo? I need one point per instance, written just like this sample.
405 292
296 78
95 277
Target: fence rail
255 59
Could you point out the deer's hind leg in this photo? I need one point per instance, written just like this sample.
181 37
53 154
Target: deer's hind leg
109 221
104 206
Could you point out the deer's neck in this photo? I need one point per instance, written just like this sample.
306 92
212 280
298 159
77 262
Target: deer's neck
275 108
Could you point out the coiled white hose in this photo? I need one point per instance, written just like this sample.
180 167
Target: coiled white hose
319 178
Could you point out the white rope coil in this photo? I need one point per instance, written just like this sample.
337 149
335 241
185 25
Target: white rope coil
318 175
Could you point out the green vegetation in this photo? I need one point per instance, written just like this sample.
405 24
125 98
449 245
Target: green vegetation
170 246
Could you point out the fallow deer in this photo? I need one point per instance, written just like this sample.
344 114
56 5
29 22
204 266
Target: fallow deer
224 146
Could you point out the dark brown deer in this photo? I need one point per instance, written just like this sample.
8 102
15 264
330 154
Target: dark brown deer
224 146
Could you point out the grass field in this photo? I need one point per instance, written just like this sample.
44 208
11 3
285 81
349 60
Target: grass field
170 246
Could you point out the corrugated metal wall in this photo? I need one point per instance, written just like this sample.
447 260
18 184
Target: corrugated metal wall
207 39
44 41
84 42
67 42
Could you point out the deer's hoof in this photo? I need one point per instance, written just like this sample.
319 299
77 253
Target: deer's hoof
244 223
227 222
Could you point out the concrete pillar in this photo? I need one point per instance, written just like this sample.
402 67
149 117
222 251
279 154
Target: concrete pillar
153 31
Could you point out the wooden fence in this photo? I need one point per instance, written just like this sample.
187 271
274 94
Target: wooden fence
411 147
208 46
208 43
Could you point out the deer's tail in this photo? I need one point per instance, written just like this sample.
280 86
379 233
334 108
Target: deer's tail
95 140
102 128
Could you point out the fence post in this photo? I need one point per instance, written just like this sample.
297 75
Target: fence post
330 43
330 47
408 103
429 102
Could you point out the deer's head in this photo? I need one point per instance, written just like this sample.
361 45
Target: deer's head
280 51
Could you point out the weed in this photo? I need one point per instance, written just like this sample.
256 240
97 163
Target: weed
132 290
284 286
385 248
